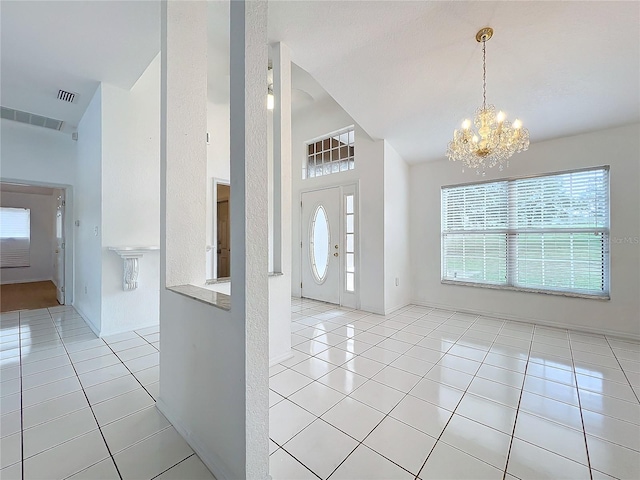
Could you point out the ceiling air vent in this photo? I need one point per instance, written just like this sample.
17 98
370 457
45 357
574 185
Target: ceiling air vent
30 118
66 96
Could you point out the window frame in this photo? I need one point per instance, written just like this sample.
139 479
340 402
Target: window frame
511 236
329 150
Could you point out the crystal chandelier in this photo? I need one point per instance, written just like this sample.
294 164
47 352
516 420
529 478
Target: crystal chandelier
496 140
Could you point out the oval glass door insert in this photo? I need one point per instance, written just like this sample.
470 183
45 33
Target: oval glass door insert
319 244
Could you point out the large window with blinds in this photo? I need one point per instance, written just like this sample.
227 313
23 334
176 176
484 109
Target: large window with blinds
546 233
15 237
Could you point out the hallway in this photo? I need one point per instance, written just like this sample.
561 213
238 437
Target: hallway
78 406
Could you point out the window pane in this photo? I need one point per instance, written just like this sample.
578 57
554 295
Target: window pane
320 244
545 233
350 282
15 222
350 224
475 257
333 153
561 261
349 204
15 237
350 242
351 266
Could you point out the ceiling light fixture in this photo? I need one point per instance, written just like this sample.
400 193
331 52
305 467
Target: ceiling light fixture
496 140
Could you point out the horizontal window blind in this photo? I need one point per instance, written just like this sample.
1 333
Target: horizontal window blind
15 237
544 233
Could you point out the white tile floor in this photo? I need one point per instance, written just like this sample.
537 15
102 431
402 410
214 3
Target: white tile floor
76 406
434 394
421 393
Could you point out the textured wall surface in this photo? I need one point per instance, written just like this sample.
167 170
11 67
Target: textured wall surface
88 212
214 363
280 286
619 148
186 172
131 199
249 213
397 261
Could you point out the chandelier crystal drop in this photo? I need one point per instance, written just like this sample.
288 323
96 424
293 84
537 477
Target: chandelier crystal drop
495 140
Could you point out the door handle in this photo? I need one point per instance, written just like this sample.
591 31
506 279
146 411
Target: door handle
336 246
335 254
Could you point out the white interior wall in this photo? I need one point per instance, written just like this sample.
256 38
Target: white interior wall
131 199
88 212
39 156
42 243
218 165
619 148
326 117
208 381
35 154
279 151
397 284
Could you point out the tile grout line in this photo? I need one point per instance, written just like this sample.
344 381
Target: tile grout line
130 372
164 471
620 365
515 421
406 394
584 431
360 442
91 407
528 362
21 399
462 397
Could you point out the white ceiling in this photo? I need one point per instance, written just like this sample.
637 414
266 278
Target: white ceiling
405 71
410 72
73 46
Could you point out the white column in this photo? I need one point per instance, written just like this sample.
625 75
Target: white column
280 286
249 213
183 149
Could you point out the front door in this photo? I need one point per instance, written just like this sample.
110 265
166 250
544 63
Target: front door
321 241
58 258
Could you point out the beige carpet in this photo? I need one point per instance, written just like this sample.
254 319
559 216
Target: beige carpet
27 296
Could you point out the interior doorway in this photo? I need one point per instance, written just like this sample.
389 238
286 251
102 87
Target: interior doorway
34 237
223 231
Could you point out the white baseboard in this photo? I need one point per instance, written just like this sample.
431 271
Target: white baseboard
87 321
377 311
389 311
537 321
280 358
31 280
128 329
210 459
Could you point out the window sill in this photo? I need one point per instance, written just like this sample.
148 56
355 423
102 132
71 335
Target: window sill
217 299
528 290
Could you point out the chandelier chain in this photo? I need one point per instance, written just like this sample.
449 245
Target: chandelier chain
484 74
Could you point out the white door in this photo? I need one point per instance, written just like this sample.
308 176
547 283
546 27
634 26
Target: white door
321 245
58 258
